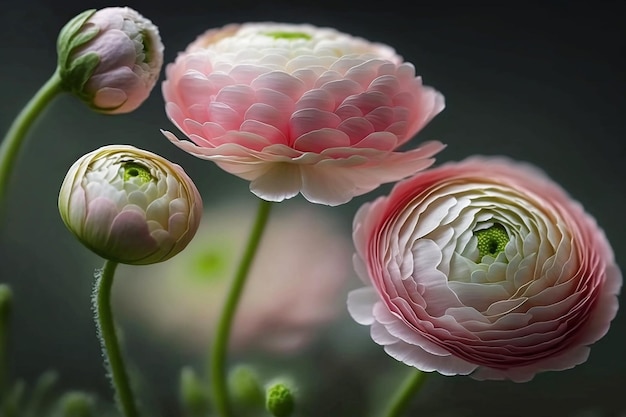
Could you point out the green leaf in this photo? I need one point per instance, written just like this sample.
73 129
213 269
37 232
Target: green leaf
67 33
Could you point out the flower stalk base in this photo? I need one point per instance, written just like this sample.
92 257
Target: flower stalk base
404 394
217 364
109 341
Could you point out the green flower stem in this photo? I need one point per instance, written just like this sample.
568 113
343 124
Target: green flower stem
17 132
108 339
217 364
406 392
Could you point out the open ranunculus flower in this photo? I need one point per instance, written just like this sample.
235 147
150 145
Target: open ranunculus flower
483 267
300 109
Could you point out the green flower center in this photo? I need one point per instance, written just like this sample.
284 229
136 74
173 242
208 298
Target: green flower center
491 241
147 46
288 35
136 172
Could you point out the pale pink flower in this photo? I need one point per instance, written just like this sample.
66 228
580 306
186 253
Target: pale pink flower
297 284
483 267
300 109
110 58
129 205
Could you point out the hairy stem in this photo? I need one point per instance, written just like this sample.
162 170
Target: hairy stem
109 340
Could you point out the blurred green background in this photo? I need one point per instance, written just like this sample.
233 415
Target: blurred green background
542 82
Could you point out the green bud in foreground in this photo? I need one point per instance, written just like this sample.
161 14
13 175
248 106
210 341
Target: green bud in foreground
245 387
193 393
75 404
279 399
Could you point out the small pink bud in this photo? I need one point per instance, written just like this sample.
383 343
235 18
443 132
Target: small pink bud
110 58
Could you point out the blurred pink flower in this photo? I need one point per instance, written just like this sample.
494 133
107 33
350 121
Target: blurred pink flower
298 282
483 267
300 109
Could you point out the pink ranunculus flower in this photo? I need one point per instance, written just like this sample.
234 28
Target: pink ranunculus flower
296 285
295 108
483 267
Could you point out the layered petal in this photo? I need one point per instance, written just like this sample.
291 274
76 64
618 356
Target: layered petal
129 205
483 267
258 94
110 58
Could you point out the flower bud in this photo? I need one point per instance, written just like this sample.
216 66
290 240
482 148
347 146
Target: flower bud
110 58
279 399
76 404
193 394
245 387
129 205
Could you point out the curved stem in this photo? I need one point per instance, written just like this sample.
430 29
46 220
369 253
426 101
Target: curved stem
17 132
403 396
220 342
109 341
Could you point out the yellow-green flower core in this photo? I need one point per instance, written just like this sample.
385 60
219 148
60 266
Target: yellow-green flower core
133 170
491 241
147 46
288 35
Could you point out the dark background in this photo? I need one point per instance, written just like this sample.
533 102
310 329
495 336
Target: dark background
542 82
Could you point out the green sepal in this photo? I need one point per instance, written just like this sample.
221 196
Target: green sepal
68 39
79 72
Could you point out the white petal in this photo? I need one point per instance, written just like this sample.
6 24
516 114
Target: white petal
361 305
424 361
279 182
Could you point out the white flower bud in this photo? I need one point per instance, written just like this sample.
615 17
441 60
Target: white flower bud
110 58
129 205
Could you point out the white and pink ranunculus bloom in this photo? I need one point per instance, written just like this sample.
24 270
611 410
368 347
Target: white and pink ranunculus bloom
300 109
296 285
483 267
129 205
110 58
